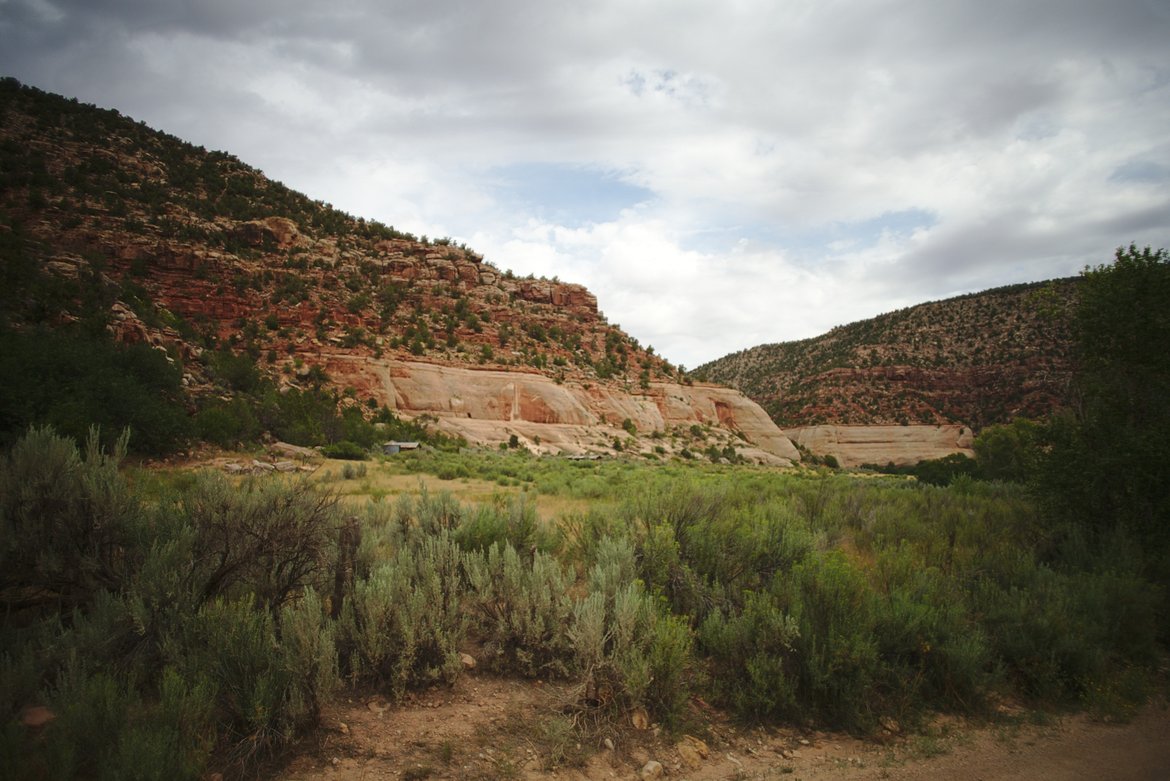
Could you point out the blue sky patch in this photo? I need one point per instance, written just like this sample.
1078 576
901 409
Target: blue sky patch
814 242
565 194
1141 171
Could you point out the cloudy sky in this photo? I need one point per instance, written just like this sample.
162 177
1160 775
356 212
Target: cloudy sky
720 174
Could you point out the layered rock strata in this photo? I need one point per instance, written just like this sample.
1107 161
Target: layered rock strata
488 406
856 445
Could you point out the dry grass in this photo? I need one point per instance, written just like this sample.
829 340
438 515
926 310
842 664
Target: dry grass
386 481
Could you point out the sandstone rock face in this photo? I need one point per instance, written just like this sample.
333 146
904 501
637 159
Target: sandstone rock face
488 406
857 445
284 231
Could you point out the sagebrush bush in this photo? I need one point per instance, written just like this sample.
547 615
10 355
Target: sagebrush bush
67 521
308 651
105 729
627 651
171 621
403 625
522 607
428 514
513 522
267 687
171 627
803 650
352 471
665 572
933 649
381 533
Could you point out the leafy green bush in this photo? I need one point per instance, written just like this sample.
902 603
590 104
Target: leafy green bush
227 423
346 450
513 523
1058 634
1010 452
1106 470
73 382
945 470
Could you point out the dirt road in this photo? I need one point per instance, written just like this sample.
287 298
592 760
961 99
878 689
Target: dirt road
489 728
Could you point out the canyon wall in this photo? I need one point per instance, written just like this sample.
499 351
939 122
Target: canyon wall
856 445
488 406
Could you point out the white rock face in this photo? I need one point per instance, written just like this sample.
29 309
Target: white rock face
487 406
857 445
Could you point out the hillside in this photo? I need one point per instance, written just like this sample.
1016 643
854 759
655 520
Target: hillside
239 258
197 254
973 360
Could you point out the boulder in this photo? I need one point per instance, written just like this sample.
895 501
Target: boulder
650 770
692 751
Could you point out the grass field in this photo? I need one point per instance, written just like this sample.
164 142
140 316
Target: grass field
200 620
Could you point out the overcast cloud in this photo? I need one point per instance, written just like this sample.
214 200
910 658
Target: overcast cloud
720 174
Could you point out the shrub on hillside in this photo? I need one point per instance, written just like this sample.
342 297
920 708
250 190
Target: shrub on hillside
227 423
73 382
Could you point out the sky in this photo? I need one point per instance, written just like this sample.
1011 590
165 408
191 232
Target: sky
720 174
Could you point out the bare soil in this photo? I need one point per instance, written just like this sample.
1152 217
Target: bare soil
485 727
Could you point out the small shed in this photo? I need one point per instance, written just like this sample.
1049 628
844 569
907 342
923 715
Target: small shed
393 448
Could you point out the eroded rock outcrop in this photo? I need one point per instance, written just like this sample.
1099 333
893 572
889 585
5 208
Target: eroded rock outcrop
857 445
487 406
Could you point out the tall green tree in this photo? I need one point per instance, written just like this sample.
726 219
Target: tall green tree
1010 452
1109 465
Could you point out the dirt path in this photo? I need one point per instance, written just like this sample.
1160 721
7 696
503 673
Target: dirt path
491 728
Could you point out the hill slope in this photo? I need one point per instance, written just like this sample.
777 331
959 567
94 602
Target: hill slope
196 253
973 360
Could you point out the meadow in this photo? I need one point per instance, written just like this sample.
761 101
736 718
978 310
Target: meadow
177 622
